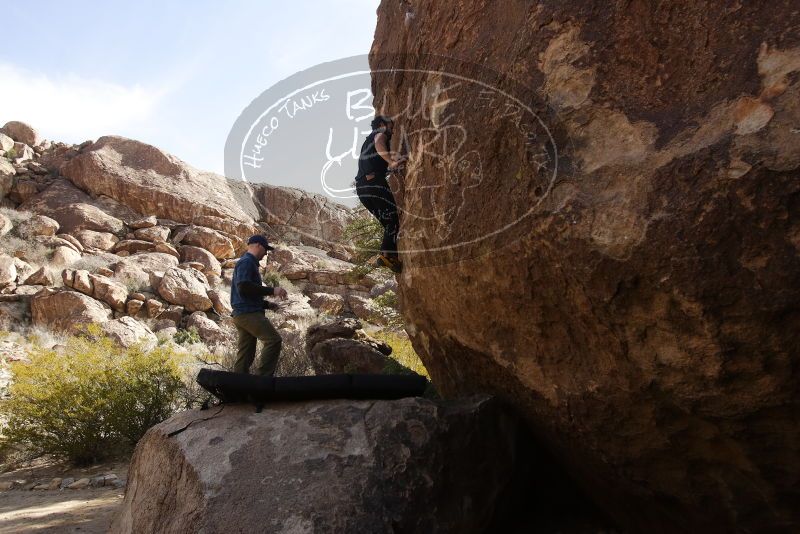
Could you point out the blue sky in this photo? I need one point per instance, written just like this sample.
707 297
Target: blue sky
173 74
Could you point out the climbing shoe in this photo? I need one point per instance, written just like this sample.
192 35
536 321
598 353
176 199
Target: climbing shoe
394 264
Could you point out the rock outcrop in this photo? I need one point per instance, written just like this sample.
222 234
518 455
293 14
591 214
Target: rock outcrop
155 183
634 233
297 215
127 331
409 465
74 210
66 311
187 288
21 132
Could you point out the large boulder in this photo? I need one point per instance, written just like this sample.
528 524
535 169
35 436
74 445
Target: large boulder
346 356
298 215
6 143
209 331
66 310
109 291
214 241
201 255
8 270
152 233
21 132
322 467
186 287
37 225
95 239
621 267
73 209
343 327
127 331
64 256
143 270
331 304
150 262
7 178
304 262
153 182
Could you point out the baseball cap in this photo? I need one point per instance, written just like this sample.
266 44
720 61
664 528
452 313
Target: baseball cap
261 240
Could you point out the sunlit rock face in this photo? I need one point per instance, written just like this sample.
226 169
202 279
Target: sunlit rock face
408 465
621 262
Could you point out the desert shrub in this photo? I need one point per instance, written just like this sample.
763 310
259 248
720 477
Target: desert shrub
16 216
387 300
11 153
131 283
403 353
272 278
386 310
365 234
91 263
357 272
89 399
31 250
188 336
276 279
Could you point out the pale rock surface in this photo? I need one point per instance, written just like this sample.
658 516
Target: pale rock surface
322 467
66 310
21 132
127 331
186 287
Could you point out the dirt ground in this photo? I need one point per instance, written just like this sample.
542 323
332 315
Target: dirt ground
87 511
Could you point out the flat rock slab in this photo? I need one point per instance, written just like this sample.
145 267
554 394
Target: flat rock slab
409 465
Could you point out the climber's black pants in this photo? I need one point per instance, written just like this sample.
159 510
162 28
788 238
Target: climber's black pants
376 196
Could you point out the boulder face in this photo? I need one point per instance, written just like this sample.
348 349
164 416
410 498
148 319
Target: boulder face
21 132
68 311
153 182
329 466
73 209
302 216
186 287
637 270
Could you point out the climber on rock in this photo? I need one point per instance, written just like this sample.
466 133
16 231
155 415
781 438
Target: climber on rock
247 301
372 187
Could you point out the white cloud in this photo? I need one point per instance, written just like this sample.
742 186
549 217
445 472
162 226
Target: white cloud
72 108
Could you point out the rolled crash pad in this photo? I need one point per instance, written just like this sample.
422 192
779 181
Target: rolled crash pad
239 387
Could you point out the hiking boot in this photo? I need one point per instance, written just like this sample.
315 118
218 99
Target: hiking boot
393 263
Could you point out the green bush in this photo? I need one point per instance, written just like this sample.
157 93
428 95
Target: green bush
272 278
190 336
11 153
90 399
366 235
387 300
357 273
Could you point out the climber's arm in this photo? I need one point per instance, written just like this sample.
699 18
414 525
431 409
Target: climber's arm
382 148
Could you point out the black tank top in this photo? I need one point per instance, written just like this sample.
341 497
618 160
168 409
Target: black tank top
370 162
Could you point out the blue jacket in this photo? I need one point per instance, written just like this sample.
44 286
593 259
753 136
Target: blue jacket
247 292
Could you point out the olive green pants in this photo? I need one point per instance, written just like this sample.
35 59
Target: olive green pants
253 327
